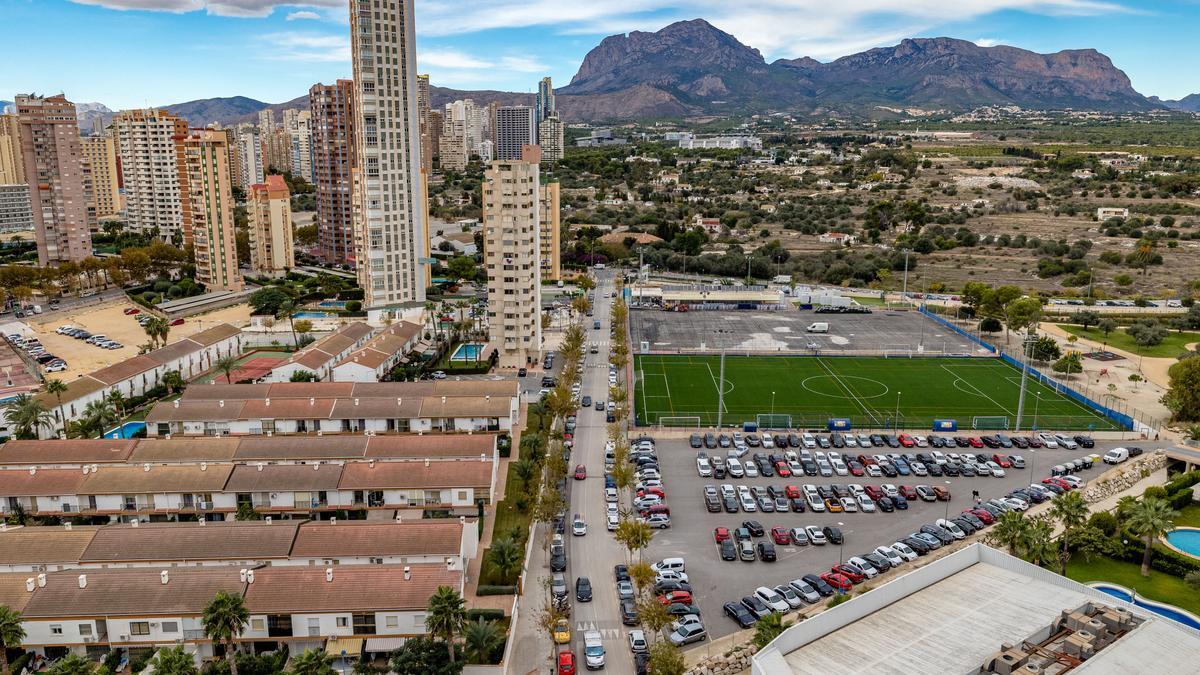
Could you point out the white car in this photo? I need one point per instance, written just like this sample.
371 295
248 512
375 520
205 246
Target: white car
809 441
864 565
56 367
772 599
613 520
610 495
889 489
578 527
921 441
865 504
734 467
839 467
904 551
851 441
856 489
637 642
1048 440
671 575
1075 481
1016 503
815 535
767 441
951 528
1067 442
750 469
611 509
703 467
893 556
918 468
848 504
873 471
995 469
814 503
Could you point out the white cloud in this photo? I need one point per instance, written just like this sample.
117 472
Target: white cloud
311 47
232 8
522 64
987 42
449 58
296 16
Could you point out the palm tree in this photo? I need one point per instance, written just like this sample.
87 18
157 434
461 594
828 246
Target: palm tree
12 634
1010 532
174 661
173 381
479 638
446 616
98 415
506 556
223 621
72 664
525 469
117 401
26 415
57 388
312 662
287 310
1071 512
1039 541
1150 519
227 364
767 629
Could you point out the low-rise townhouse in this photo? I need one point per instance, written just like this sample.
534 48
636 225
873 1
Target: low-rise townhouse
319 357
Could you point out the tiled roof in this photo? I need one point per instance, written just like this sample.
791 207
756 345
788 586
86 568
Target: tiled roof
301 447
121 480
211 336
369 539
162 450
284 477
431 445
41 545
132 592
154 542
287 408
417 474
119 372
82 451
42 483
287 589
195 410
12 591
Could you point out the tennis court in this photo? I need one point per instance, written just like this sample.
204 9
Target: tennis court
874 393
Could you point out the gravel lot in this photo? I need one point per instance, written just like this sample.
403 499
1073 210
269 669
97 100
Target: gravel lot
715 582
784 331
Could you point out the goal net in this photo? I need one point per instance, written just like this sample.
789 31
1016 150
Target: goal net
774 421
897 353
680 421
989 422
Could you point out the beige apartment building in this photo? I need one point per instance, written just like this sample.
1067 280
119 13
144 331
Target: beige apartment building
423 105
12 166
550 137
206 190
332 108
391 234
58 177
551 225
146 145
512 244
101 155
269 206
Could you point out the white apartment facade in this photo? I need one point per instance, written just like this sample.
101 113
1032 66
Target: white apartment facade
146 144
512 234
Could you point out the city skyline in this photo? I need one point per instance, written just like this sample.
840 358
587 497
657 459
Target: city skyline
274 52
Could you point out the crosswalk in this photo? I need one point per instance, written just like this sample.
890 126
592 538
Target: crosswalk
605 633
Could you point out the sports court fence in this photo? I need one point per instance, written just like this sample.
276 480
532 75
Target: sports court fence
1127 417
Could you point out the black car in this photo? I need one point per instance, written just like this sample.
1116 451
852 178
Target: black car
629 613
583 589
940 532
755 528
728 550
621 572
877 440
740 615
710 440
1085 441
888 470
793 440
915 544
798 505
899 502
964 525
809 466
891 441
935 469
880 562
823 442
833 534
973 520
766 551
668 585
755 606
558 561
1134 451
819 584
950 469
712 503
695 441
731 505
837 440
641 663
1020 442
885 504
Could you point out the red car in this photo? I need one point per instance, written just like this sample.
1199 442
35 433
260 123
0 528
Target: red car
974 442
906 440
1002 460
1034 442
943 495
846 571
1054 480
866 460
130 311
580 472
720 534
856 469
782 469
838 581
873 492
781 535
177 322
681 597
908 492
566 663
792 492
986 517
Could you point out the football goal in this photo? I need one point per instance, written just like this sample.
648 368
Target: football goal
995 422
774 421
692 422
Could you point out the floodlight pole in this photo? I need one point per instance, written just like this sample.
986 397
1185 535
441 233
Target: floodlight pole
896 417
1025 343
904 292
721 390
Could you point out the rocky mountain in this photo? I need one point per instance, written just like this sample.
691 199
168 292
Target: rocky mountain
1189 103
694 66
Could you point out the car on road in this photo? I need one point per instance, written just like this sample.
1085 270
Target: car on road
766 551
637 641
754 527
671 597
578 526
837 581
740 614
816 535
562 631
593 650
566 663
833 535
580 472
583 589
746 551
781 536
728 550
629 614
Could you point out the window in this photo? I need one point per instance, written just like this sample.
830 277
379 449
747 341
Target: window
258 624
364 624
342 622
170 626
419 621
139 628
392 621
56 629
85 629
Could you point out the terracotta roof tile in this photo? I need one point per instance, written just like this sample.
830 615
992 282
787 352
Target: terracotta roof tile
416 474
287 409
44 545
211 336
83 451
12 591
301 447
119 372
430 445
228 392
117 480
195 411
366 539
178 449
163 542
132 592
43 483
284 477
354 588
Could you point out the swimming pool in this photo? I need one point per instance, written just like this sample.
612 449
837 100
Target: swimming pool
127 430
332 304
468 351
1169 611
314 315
1185 540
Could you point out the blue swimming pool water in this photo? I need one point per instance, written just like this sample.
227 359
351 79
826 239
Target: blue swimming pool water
313 315
127 430
467 352
332 304
1186 540
1168 611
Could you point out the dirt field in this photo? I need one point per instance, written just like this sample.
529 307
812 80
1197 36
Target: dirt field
110 320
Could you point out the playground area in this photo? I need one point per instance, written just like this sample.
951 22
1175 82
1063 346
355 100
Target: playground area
251 367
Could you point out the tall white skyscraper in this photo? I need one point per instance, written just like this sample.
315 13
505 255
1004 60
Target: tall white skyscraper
299 127
544 106
250 156
146 142
390 228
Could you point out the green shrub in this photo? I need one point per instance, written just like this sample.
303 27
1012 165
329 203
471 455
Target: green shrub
1185 480
162 286
1181 499
139 663
837 600
496 590
354 306
1103 521
1155 492
1164 559
18 664
486 614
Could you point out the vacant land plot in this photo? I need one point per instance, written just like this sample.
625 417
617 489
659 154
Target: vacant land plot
1174 345
877 393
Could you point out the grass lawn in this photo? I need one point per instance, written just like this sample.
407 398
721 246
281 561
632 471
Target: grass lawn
508 516
1171 347
868 391
1189 516
1158 586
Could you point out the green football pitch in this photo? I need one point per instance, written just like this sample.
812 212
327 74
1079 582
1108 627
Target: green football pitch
878 393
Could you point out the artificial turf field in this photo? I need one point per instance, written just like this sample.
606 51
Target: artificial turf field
867 390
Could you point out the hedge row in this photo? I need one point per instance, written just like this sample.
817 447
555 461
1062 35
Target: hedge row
1184 480
486 614
496 590
1164 559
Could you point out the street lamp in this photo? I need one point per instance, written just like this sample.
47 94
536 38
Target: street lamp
896 418
841 545
948 501
772 404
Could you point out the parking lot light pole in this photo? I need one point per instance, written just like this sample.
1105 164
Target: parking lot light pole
841 545
948 501
896 418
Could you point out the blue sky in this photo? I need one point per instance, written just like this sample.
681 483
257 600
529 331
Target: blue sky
130 53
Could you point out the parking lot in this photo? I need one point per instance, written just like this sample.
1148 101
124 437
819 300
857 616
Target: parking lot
785 331
715 582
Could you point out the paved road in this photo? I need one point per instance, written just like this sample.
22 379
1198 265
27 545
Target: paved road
595 554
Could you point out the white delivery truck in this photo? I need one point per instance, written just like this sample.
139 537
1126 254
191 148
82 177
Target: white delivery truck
818 327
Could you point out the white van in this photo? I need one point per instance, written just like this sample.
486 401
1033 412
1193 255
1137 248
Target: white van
673 564
818 327
1116 456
